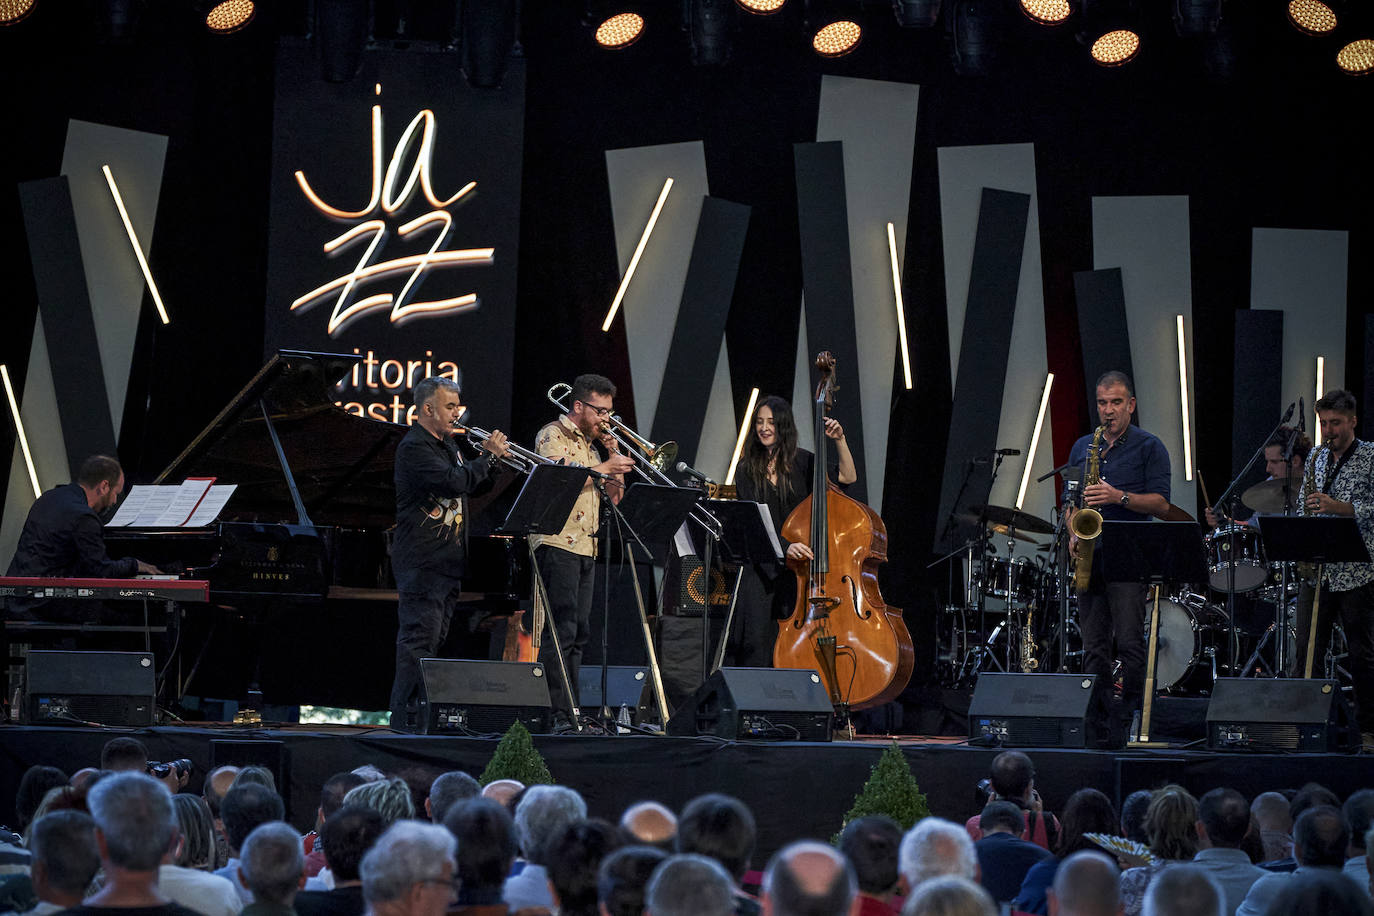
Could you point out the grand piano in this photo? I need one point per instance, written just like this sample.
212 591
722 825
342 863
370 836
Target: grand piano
302 602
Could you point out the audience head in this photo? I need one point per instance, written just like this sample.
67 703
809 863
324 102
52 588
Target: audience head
1320 837
217 782
124 755
1133 815
542 816
1086 884
486 848
1225 816
1002 817
1321 893
389 797
1185 890
409 870
64 856
368 772
808 878
1012 775
255 775
719 827
936 847
950 895
196 846
1171 824
574 859
447 790
33 785
1358 812
347 835
688 884
502 791
871 844
1086 811
623 878
1309 796
651 824
1271 811
83 776
245 806
272 863
134 819
333 791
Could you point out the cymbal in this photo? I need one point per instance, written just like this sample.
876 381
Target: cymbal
1014 518
1009 532
1267 495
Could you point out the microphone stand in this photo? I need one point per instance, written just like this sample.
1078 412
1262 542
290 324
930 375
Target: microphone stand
610 511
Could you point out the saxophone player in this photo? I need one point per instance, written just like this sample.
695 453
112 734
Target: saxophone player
1132 485
1341 482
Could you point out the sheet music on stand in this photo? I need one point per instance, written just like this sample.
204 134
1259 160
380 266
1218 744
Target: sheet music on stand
749 535
194 503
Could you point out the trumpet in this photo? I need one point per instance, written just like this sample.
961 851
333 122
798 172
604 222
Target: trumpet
517 458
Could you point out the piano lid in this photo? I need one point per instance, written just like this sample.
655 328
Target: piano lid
342 463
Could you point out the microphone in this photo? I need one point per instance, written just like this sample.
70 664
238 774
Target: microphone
1007 452
685 468
1288 414
1302 415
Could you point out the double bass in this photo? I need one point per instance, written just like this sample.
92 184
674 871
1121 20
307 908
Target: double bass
841 626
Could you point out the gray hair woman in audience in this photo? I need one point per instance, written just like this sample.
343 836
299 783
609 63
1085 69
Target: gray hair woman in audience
197 846
388 797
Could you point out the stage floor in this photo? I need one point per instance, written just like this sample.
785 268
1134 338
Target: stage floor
795 789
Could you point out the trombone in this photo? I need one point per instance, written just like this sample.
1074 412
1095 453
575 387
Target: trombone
517 458
651 461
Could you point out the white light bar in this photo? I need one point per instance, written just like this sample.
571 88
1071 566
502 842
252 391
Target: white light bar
743 434
19 428
1183 403
1035 439
639 250
138 250
901 307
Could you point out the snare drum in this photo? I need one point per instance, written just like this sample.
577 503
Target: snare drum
1191 633
1235 548
1020 574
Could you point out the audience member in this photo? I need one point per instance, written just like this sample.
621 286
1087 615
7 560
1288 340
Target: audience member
184 875
623 879
1003 857
1171 831
871 844
1223 818
1013 780
65 859
1320 892
1270 811
950 895
808 878
134 829
409 871
273 868
447 790
331 799
124 755
650 823
217 782
574 859
1358 812
389 797
33 785
542 816
936 847
1185 890
688 884
346 836
486 850
245 806
721 827
502 791
1133 815
1320 838
257 775
369 773
1087 883
1086 811
1369 859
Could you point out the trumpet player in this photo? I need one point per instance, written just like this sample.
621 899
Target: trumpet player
429 542
1132 485
567 559
1341 482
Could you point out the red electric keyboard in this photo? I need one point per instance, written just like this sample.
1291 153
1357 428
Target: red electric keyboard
105 589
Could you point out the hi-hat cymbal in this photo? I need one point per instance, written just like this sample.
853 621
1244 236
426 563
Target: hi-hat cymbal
1009 532
1268 495
1014 518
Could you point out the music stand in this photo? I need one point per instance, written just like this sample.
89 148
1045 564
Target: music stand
747 537
1152 553
655 513
1318 539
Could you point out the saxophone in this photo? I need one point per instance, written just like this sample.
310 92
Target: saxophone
1086 523
1028 660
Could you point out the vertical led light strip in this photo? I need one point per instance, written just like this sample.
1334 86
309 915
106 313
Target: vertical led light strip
639 250
19 428
133 240
1035 439
1321 383
1183 403
901 307
743 434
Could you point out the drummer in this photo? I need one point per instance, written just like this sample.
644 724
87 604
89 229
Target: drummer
1287 473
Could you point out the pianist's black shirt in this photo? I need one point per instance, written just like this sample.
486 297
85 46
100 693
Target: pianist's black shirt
63 537
432 485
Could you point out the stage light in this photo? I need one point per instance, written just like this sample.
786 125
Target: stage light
761 7
133 240
1117 47
229 16
12 11
1111 31
1321 384
838 38
1035 439
710 31
1047 12
743 436
916 14
23 437
342 26
1197 17
1183 403
901 307
974 31
1357 57
639 250
620 31
1312 17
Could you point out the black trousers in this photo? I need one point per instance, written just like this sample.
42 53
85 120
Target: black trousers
1107 612
424 612
1355 610
568 579
763 590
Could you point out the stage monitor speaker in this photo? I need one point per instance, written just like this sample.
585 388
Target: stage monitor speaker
627 687
1262 714
110 688
463 697
772 704
1031 710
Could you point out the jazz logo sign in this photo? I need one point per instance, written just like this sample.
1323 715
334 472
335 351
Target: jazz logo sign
388 198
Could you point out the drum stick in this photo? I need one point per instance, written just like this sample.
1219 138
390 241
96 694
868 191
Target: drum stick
1205 498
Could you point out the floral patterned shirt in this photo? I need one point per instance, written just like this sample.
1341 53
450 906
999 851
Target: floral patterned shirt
1354 484
562 439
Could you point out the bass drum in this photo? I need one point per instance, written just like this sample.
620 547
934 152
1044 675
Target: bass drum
1191 635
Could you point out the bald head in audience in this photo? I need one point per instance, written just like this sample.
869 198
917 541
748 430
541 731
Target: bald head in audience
1087 884
651 824
809 879
502 791
1184 890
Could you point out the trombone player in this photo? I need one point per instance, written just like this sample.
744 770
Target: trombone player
567 559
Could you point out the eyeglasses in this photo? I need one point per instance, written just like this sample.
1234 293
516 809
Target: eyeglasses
600 411
451 883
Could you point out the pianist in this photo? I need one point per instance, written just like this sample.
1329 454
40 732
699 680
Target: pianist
63 538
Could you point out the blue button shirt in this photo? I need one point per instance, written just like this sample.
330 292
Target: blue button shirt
1136 463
